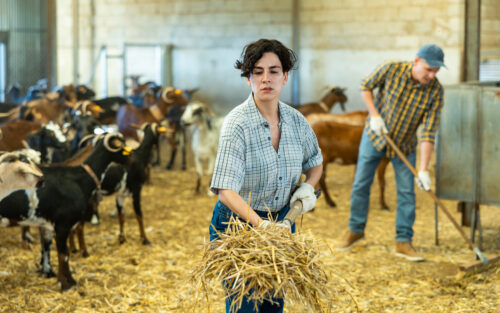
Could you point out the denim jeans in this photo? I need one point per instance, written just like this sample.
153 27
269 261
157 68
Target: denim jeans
220 217
368 160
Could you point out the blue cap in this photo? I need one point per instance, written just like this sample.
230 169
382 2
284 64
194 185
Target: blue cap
432 54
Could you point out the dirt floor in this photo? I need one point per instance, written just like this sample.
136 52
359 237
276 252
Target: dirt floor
135 278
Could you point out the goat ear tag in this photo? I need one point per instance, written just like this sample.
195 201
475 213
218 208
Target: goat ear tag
161 129
126 150
178 92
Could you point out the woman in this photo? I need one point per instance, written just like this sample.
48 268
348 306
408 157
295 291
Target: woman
264 147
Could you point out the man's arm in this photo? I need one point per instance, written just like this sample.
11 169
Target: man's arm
367 96
426 148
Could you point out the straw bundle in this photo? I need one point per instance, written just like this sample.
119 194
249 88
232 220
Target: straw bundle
264 263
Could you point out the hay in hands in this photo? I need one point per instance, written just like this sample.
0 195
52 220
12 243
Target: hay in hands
262 263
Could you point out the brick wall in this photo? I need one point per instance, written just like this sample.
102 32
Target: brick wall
341 40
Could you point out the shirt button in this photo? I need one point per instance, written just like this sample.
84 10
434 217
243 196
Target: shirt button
276 198
266 126
280 178
269 138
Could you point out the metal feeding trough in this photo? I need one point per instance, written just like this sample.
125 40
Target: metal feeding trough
468 148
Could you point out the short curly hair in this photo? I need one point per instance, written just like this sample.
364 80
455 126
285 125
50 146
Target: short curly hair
254 51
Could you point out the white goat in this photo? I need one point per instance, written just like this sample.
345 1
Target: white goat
205 137
18 171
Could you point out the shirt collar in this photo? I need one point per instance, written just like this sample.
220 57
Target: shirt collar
256 117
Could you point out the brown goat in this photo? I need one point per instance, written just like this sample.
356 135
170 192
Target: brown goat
334 95
128 115
14 132
339 136
49 108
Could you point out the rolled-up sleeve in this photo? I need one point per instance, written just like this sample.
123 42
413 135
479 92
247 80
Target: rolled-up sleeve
377 78
229 170
430 120
311 149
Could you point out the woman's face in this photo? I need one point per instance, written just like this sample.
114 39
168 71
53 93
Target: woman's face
267 78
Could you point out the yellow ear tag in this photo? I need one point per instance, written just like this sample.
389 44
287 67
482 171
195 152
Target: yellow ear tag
126 150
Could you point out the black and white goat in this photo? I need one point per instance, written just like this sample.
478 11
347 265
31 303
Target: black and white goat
128 179
205 137
62 202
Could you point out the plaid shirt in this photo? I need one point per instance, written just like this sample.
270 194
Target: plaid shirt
404 105
247 162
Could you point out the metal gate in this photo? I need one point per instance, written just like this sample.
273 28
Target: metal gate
468 149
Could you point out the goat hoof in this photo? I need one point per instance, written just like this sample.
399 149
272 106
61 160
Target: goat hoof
28 238
47 273
385 208
85 254
146 242
121 239
95 220
155 163
332 204
25 245
70 283
168 167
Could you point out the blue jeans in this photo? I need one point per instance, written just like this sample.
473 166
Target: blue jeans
220 217
368 160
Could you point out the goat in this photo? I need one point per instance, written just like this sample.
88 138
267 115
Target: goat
205 137
334 95
15 134
338 137
62 202
110 105
178 136
129 179
129 115
17 174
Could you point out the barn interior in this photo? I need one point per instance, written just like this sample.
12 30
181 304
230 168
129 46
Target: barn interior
123 48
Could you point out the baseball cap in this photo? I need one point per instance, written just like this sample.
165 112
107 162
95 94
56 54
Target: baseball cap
432 54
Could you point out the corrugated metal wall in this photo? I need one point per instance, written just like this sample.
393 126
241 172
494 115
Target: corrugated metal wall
23 24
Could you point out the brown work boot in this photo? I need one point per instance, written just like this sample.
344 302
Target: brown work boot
407 251
349 240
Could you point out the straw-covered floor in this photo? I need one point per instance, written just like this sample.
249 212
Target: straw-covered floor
136 278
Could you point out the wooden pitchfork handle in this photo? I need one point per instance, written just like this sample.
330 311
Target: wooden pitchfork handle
294 212
435 198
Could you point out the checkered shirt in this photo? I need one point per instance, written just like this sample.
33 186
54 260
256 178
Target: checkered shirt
247 161
404 105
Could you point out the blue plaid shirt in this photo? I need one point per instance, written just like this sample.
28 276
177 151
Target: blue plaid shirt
247 161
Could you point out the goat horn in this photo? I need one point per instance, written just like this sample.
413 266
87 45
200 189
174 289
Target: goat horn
164 94
106 142
25 144
84 140
96 139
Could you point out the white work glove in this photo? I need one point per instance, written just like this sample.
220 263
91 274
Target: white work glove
377 125
264 224
305 193
423 180
282 224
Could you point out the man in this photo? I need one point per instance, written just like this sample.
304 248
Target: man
409 95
